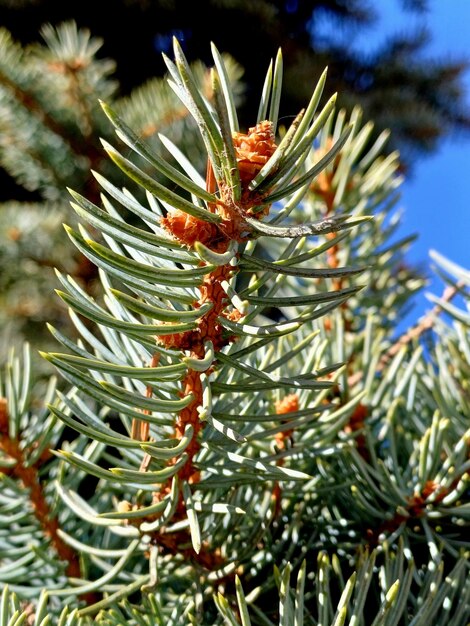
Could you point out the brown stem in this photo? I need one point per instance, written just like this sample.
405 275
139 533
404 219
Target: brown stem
3 416
424 324
29 477
209 329
140 428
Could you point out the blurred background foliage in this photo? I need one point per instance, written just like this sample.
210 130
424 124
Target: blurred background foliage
57 59
419 99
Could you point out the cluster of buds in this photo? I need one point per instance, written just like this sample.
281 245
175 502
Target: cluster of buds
252 151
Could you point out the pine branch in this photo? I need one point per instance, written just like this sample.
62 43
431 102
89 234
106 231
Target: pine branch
423 325
227 416
28 475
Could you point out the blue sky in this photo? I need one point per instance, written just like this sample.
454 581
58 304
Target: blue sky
436 199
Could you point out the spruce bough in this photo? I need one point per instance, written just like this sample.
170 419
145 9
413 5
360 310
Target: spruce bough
236 422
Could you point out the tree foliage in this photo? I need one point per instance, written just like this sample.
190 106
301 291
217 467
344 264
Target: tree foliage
399 85
58 59
234 419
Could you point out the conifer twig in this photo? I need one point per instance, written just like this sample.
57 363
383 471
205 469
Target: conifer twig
426 322
29 477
